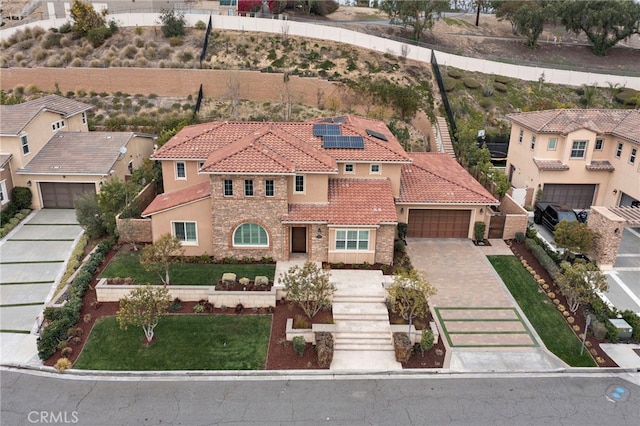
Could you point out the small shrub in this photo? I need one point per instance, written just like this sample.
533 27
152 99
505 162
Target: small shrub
261 281
454 73
301 322
200 25
502 88
62 364
244 281
239 308
471 83
198 309
87 318
571 320
175 41
223 308
299 345
76 341
66 352
449 84
520 237
61 345
501 79
426 342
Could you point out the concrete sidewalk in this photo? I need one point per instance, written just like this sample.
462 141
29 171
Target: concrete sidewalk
33 258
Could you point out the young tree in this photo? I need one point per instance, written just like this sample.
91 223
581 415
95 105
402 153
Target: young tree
308 286
113 197
574 237
143 307
85 17
173 24
409 294
529 20
418 14
160 255
89 215
579 282
605 22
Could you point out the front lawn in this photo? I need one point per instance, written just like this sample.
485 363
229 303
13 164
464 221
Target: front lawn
128 265
182 342
545 318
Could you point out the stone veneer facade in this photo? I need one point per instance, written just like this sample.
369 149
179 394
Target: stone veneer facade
230 212
609 227
385 239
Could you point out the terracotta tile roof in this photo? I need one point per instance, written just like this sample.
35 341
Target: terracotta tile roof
293 141
14 118
438 178
556 165
81 153
600 165
351 202
623 123
177 198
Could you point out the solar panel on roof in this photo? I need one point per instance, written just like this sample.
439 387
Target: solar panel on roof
376 135
349 142
326 129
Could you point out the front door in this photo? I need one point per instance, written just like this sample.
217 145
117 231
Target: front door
299 239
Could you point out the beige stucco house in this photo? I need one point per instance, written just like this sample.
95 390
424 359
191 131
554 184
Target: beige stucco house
45 145
333 190
578 157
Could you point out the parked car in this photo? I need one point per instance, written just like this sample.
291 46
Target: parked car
550 214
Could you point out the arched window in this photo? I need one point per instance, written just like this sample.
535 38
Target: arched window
250 234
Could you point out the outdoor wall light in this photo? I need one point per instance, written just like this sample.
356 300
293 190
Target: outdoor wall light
615 191
616 231
481 210
401 210
319 233
100 184
29 183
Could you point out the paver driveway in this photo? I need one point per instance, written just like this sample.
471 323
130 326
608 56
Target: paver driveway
32 261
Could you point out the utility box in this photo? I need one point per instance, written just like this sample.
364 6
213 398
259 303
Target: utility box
623 327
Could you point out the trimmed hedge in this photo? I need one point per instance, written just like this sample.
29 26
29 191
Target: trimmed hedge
471 83
454 73
67 316
545 260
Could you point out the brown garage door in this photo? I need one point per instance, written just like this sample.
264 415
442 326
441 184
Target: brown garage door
57 195
439 223
573 195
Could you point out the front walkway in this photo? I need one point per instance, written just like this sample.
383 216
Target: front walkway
482 325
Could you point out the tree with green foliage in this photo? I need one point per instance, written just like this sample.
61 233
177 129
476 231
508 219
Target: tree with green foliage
159 256
143 307
426 342
173 23
604 22
112 199
309 287
530 19
506 10
417 14
409 294
85 17
580 282
574 237
89 214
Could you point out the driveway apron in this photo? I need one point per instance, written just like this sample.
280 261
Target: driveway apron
33 258
481 323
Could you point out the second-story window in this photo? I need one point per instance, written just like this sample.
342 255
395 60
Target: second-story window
632 156
181 171
269 188
599 144
375 169
578 149
533 142
520 136
299 184
228 187
553 143
25 144
84 118
349 168
200 165
619 149
248 187
57 125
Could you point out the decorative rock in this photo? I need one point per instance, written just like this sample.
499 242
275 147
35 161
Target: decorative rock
324 348
402 346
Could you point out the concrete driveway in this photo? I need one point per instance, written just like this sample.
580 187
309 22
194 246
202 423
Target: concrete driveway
482 324
33 258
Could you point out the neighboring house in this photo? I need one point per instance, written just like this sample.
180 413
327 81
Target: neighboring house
331 190
45 144
578 157
6 180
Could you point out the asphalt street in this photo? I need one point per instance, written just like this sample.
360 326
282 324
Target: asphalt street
584 399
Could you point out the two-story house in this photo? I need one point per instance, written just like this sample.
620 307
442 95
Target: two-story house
333 190
578 157
45 145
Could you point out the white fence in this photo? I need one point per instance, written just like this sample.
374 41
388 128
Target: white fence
379 44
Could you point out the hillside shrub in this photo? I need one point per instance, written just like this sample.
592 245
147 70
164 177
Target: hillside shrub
501 79
471 83
449 84
454 73
500 87
545 260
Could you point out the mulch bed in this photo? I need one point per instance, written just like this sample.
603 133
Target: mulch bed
520 249
434 357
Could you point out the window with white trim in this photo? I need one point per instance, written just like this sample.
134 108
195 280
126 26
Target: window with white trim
352 239
84 118
228 188
269 188
24 141
533 142
130 167
632 156
250 235
4 196
619 149
200 166
599 144
57 125
520 136
181 170
349 168
248 187
185 232
299 184
578 149
375 169
553 143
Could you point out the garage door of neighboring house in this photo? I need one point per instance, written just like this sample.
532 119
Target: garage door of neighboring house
574 195
58 195
438 223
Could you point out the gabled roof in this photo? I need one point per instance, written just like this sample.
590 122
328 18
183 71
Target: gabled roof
623 123
78 153
351 202
177 198
14 118
292 141
438 178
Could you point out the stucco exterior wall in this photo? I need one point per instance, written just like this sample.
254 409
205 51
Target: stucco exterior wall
316 189
5 177
173 183
516 218
354 256
363 170
138 149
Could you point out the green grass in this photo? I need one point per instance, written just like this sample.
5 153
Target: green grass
128 265
545 318
183 342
